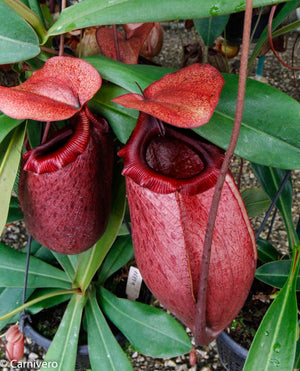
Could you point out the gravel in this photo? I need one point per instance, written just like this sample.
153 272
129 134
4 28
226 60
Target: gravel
175 36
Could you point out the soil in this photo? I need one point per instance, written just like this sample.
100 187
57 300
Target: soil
245 325
47 321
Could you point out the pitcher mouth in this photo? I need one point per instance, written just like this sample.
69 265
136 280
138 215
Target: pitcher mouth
62 149
178 160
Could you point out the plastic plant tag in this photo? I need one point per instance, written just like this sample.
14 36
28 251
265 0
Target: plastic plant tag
134 283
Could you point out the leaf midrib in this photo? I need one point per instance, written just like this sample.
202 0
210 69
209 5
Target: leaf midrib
261 132
37 273
139 322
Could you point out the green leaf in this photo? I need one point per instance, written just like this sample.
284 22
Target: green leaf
63 349
127 75
10 298
28 304
7 124
33 132
18 41
266 252
271 179
271 140
281 16
120 253
14 213
90 260
256 201
287 28
122 120
274 345
297 357
8 170
41 252
47 303
104 351
101 12
150 330
211 28
40 274
68 263
123 231
275 273
35 6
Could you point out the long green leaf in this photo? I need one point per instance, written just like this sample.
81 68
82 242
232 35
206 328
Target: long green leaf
18 41
62 353
271 179
281 16
127 75
68 263
14 212
274 345
7 124
90 260
36 300
266 252
256 201
27 14
40 274
120 253
8 171
104 351
297 357
150 330
101 12
122 120
48 302
10 298
271 139
211 28
276 273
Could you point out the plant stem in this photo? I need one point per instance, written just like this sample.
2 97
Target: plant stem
37 300
46 132
203 335
62 37
271 40
116 43
28 15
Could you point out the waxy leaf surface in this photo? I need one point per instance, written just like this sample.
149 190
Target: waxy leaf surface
104 351
63 348
100 12
18 41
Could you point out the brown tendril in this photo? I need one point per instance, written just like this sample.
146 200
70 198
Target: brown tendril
203 334
271 40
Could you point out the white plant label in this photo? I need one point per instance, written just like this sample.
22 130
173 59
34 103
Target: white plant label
134 283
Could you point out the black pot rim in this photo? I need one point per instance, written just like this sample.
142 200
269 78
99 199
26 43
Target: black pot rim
243 352
231 354
44 342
